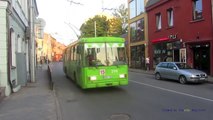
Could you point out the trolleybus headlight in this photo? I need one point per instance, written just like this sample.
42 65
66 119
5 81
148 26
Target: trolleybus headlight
92 78
122 75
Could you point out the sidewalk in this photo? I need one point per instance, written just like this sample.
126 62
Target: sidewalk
33 102
210 78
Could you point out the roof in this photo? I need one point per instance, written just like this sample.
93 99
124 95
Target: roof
151 2
102 39
99 40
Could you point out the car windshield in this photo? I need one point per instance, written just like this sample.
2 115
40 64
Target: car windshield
105 54
183 66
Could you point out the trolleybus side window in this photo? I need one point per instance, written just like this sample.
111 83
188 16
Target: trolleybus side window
78 54
70 57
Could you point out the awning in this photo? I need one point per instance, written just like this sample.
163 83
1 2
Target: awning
160 40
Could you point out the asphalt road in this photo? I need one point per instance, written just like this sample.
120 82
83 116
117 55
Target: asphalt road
143 99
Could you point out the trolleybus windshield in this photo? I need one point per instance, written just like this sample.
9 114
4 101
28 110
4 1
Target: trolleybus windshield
105 54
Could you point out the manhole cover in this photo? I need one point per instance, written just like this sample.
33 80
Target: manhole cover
120 117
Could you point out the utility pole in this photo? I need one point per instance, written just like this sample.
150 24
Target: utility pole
32 42
32 16
95 28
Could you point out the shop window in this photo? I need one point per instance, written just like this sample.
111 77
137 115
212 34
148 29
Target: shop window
169 46
157 54
197 9
176 45
138 56
158 21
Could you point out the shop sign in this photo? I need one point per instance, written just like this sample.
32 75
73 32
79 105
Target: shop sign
172 36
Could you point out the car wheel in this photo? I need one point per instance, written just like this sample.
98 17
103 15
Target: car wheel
157 76
182 79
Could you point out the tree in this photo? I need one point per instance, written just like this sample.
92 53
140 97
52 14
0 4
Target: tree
88 28
122 14
115 27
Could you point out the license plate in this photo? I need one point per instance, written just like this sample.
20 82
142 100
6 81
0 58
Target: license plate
107 77
202 78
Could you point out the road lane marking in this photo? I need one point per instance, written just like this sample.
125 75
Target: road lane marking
181 93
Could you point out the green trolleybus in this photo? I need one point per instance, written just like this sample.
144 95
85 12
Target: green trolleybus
96 62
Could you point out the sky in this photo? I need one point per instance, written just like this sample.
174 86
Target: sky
64 18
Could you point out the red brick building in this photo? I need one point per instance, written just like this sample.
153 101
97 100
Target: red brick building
181 30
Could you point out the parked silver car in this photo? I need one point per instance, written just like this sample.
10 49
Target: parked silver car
179 71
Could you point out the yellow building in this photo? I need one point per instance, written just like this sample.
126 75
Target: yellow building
44 48
49 48
137 34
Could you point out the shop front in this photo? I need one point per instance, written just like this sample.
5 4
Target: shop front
168 51
195 54
137 56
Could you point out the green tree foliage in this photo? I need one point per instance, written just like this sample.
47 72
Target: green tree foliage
102 26
115 26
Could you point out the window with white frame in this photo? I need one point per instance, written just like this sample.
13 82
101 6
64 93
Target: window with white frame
170 17
158 21
197 9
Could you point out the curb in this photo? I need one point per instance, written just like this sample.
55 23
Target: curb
152 73
2 93
210 81
52 87
50 77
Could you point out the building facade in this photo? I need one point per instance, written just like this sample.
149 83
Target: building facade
44 49
137 34
49 49
181 31
57 50
15 42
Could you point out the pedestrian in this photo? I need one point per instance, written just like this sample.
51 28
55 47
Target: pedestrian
147 63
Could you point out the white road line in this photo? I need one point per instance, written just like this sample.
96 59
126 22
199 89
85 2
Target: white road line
181 93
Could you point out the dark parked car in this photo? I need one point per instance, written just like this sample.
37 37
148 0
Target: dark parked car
179 71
